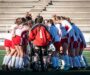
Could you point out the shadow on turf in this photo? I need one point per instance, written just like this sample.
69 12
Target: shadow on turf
52 72
45 73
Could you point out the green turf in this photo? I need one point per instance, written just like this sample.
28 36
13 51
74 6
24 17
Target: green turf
2 52
85 53
1 59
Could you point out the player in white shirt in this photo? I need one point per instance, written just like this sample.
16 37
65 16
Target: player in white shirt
17 40
10 49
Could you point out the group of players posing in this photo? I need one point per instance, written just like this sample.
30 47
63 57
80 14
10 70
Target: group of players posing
40 44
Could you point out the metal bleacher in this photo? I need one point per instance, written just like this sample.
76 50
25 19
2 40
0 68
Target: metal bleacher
77 10
11 9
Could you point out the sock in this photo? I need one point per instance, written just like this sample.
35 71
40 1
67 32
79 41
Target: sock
82 61
4 60
35 59
59 62
28 49
74 62
26 60
85 61
17 62
13 61
27 57
21 62
77 61
9 63
66 59
62 64
71 62
7 60
55 62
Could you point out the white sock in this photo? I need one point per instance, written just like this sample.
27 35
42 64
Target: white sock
7 60
17 62
4 59
62 64
10 61
13 61
21 62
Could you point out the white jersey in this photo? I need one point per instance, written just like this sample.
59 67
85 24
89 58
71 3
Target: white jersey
12 29
67 25
13 26
59 29
20 29
8 36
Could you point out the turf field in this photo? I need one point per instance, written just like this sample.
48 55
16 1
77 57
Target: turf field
86 54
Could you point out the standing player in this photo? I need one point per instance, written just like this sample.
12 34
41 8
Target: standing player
78 59
73 47
41 38
17 40
10 49
65 40
54 31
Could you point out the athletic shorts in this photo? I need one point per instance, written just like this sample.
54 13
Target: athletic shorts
71 39
16 40
78 40
57 45
81 45
8 43
24 38
75 44
64 40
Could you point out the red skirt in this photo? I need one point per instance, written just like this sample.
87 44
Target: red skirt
8 43
75 45
57 45
81 45
64 40
16 40
71 39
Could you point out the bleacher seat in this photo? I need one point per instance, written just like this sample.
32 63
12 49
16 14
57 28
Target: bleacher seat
11 9
77 10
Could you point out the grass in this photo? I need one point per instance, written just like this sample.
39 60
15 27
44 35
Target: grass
85 53
2 53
